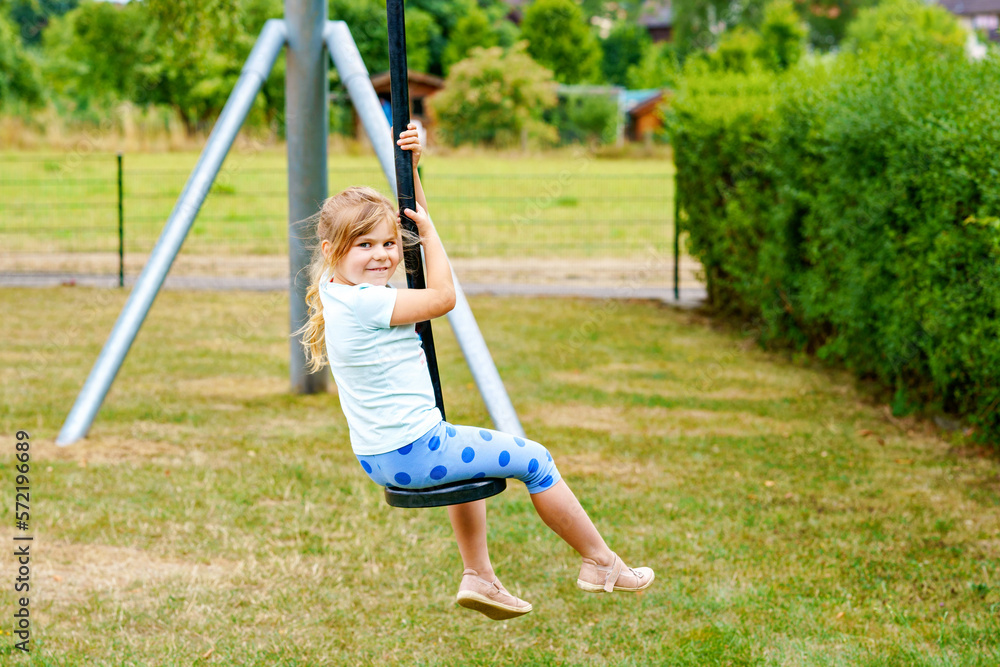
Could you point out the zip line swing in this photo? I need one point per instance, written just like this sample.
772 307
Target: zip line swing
463 491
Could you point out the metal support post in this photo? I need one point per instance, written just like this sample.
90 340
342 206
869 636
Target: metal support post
307 124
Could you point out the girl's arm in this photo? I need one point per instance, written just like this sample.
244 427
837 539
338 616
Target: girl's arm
417 305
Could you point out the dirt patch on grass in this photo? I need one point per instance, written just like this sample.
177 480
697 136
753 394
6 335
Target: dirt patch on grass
67 571
623 471
111 449
145 443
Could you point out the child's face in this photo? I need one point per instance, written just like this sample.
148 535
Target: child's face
373 257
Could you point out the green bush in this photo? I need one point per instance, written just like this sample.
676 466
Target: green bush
852 209
497 98
586 118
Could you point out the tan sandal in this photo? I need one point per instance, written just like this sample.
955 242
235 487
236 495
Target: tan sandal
491 599
619 577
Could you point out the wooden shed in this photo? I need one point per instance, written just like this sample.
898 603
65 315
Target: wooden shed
421 86
644 118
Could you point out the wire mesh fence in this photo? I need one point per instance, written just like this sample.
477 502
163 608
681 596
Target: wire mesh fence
562 222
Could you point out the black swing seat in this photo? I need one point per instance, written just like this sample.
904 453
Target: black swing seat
456 493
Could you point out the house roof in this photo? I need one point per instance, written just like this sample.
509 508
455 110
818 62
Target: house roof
633 99
971 7
382 79
647 105
656 14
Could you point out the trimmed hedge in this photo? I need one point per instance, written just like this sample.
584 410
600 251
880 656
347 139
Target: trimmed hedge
853 206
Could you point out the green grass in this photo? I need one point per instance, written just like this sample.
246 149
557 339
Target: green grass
789 519
570 203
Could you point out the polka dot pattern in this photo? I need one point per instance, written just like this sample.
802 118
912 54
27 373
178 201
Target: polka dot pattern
446 453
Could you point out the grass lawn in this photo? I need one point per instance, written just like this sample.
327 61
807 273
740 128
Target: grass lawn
570 202
213 518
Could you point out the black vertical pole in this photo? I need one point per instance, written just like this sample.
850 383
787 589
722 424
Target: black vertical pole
677 238
405 188
121 226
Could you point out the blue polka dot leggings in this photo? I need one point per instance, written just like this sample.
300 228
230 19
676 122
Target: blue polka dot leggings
449 453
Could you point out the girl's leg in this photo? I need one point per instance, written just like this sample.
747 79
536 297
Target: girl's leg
480 589
468 520
562 512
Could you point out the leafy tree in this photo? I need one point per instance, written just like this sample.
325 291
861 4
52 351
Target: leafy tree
495 97
445 14
19 77
828 19
470 31
776 45
422 34
698 24
560 39
906 29
95 53
198 51
657 68
783 36
367 22
33 16
737 50
623 48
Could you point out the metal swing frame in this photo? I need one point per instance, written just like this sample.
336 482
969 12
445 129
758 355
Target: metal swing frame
306 32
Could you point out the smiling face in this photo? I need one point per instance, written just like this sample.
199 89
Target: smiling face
372 257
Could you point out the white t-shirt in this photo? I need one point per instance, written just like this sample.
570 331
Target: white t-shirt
380 371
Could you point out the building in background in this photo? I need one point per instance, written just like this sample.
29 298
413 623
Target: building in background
657 17
979 15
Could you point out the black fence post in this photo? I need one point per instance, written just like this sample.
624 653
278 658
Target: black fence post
121 226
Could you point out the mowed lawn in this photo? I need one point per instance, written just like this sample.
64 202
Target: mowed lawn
214 518
570 202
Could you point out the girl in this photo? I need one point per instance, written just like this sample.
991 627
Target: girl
363 328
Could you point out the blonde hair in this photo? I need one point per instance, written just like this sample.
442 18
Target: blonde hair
342 219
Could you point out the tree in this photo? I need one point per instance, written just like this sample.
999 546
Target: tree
560 39
623 48
19 78
828 19
698 24
783 36
470 31
33 16
422 33
776 45
368 24
495 97
657 68
96 52
906 29
445 15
